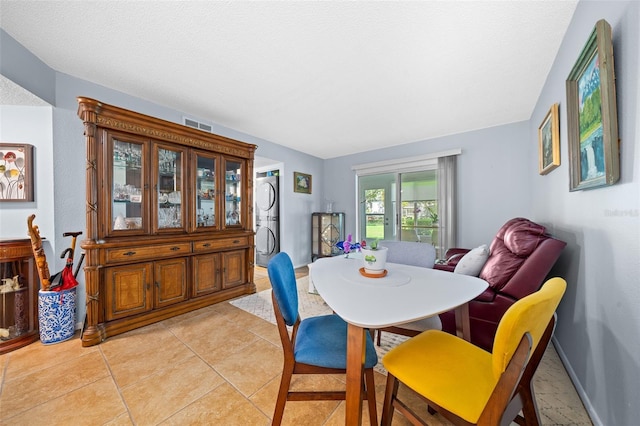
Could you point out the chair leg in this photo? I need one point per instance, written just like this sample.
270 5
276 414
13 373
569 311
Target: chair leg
370 389
529 406
379 336
390 393
285 382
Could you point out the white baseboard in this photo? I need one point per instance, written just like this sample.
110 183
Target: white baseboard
576 383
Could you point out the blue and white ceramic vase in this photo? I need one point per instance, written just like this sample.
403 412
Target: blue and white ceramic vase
56 315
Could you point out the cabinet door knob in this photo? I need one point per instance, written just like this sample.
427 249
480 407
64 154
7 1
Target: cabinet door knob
206 245
175 248
236 241
129 253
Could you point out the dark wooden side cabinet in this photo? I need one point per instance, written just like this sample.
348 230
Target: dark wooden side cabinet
18 306
169 219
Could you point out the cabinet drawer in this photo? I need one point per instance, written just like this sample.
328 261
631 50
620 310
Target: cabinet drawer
223 243
132 254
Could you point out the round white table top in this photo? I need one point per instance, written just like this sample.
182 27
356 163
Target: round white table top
407 293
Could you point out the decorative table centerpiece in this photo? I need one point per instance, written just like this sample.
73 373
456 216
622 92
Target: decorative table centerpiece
374 259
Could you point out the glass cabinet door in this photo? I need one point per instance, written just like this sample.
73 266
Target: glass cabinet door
169 188
126 189
233 192
205 208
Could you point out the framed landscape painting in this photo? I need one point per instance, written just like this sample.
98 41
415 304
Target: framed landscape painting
549 141
16 172
301 183
592 118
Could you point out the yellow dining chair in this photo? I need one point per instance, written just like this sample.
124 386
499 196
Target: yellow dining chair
464 383
315 345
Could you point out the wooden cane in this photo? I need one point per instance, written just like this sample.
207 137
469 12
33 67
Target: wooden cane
38 254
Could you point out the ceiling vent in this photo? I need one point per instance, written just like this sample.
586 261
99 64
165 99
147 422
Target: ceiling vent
198 125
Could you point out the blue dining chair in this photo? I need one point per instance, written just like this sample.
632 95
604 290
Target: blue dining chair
315 345
415 254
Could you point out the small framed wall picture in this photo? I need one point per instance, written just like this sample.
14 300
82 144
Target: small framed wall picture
301 183
549 141
16 172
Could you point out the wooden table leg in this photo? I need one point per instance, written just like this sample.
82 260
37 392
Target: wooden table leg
355 361
463 329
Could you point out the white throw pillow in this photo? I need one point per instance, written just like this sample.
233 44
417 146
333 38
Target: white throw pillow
472 262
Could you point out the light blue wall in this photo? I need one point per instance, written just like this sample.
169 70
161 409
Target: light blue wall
31 125
25 69
599 318
492 185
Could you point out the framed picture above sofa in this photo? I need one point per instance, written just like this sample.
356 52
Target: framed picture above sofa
592 118
549 141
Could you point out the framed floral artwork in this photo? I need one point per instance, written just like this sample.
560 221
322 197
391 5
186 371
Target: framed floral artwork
549 141
16 172
592 117
301 183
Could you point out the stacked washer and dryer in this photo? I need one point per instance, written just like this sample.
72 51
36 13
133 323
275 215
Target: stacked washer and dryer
267 219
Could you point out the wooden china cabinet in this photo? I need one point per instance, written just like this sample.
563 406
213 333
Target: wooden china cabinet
169 219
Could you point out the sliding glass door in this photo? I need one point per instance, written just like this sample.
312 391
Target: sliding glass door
409 199
419 207
377 207
400 206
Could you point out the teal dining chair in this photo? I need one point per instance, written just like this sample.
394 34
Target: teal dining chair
315 345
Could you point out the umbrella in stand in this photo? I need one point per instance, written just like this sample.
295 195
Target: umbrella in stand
66 279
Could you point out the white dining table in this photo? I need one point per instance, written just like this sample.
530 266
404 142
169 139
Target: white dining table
405 294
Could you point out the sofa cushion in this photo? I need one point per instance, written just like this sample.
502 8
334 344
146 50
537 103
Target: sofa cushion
523 238
472 262
514 242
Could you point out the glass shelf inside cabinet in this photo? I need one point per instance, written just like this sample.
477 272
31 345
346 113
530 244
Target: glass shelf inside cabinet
169 189
126 206
206 192
233 192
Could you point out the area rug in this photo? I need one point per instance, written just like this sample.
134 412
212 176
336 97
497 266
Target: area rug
309 305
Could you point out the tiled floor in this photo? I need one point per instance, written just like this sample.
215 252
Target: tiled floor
218 365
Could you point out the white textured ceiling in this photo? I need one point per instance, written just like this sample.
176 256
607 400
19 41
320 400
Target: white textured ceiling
329 78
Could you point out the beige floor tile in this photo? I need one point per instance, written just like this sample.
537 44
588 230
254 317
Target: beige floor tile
202 312
37 356
133 358
224 406
265 398
121 420
237 316
214 341
93 404
299 412
267 331
265 360
4 359
160 396
40 386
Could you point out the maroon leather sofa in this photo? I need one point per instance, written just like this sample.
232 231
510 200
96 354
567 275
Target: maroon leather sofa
522 254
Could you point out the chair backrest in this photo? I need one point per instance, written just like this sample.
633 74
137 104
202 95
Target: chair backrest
284 288
410 253
531 315
521 255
